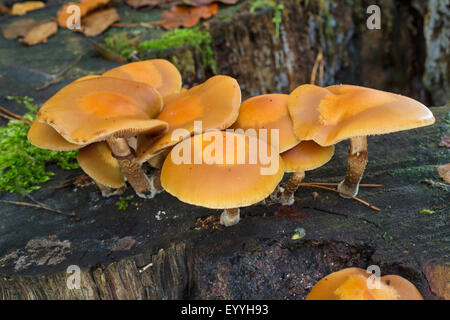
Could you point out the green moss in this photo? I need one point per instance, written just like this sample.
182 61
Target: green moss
195 37
427 211
122 204
22 165
277 14
125 44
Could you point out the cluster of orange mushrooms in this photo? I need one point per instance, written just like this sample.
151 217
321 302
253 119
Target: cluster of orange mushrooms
139 113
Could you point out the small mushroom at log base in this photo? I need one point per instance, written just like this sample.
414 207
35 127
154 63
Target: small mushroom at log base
336 113
111 110
353 284
307 155
217 172
97 161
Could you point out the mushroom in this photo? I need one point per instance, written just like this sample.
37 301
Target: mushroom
157 73
352 284
214 170
330 115
213 104
268 112
111 110
97 161
307 155
43 136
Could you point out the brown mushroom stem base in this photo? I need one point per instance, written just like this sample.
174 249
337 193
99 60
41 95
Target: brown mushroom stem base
108 191
357 162
131 169
285 195
230 217
155 182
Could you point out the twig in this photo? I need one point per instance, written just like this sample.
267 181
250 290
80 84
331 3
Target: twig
319 60
10 113
60 74
139 24
74 181
27 204
345 194
21 119
366 185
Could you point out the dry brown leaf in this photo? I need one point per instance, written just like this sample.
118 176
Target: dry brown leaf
4 9
19 9
85 6
97 22
444 172
180 16
40 32
445 141
18 28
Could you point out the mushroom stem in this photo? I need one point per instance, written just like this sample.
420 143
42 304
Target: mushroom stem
131 169
357 161
108 191
285 195
230 217
155 182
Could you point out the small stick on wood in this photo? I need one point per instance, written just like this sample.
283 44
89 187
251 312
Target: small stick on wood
146 267
60 74
10 113
334 190
27 204
140 24
319 60
21 119
367 185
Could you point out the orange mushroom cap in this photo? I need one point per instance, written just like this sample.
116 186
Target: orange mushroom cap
43 136
215 103
157 73
97 162
351 284
96 109
228 184
332 114
268 111
307 155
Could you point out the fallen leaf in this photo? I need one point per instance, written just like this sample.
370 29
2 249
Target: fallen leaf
4 9
85 6
40 32
19 9
444 172
97 22
445 141
180 16
18 28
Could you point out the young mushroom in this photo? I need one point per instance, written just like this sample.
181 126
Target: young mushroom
307 155
97 161
213 104
330 115
353 284
219 170
110 110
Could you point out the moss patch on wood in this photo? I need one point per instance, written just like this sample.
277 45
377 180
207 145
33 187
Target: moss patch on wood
22 165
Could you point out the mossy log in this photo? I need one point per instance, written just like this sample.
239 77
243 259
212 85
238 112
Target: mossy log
165 249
